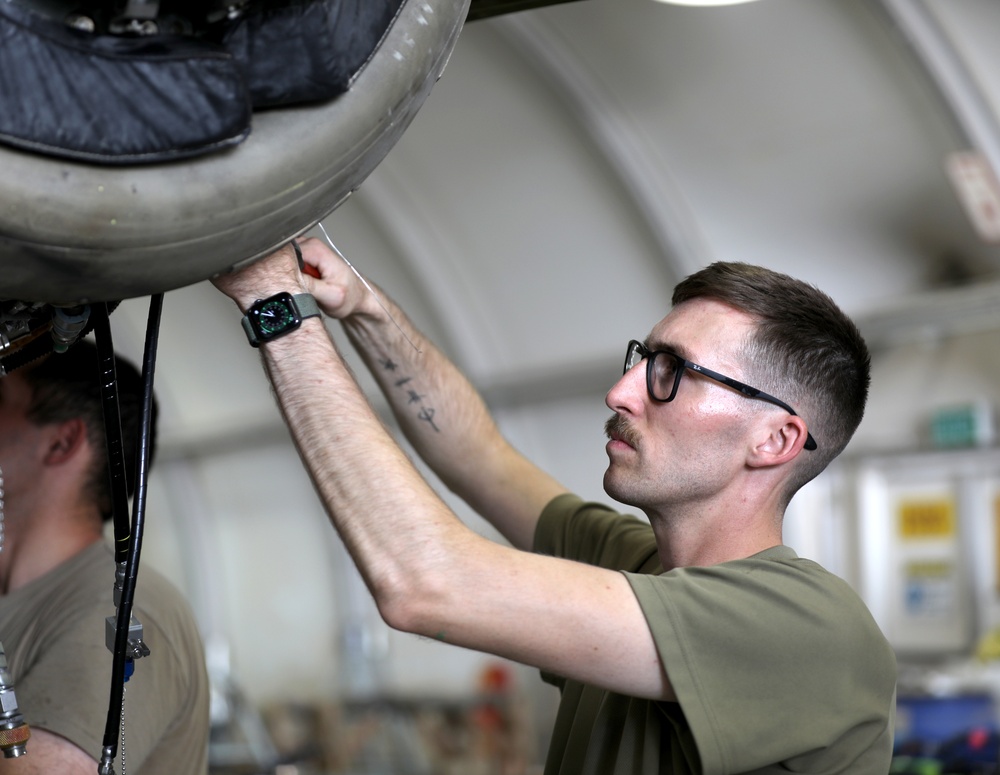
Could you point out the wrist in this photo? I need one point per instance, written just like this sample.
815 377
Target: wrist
255 279
246 294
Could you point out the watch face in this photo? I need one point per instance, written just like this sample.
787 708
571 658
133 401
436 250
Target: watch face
274 316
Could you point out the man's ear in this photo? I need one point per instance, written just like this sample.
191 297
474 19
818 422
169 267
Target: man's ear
782 443
65 440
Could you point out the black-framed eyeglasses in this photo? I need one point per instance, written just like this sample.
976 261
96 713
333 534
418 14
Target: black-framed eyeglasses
664 370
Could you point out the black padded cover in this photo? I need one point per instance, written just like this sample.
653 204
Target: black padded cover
115 99
307 51
112 99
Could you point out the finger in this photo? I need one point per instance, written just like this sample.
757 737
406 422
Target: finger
308 269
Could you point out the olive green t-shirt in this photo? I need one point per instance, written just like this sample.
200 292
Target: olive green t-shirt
53 633
777 664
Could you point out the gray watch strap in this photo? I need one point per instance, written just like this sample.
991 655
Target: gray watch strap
306 304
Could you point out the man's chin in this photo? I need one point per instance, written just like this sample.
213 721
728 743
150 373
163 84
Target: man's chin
612 486
623 488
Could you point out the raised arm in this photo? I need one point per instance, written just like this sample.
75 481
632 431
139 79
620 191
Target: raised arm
48 753
439 411
429 573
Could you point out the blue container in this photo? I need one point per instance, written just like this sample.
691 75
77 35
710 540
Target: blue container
925 723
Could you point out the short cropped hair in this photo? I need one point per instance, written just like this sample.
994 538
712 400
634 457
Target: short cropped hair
68 385
804 350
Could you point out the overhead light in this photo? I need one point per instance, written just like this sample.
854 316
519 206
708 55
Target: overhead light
704 2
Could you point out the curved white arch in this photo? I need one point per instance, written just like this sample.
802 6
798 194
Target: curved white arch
623 144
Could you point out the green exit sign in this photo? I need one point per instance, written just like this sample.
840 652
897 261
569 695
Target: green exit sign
969 425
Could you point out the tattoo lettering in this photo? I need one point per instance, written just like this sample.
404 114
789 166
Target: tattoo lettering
427 415
424 413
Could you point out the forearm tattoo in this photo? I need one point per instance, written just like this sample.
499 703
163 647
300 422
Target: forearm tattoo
424 412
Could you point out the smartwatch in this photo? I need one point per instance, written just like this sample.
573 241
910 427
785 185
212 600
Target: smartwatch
277 315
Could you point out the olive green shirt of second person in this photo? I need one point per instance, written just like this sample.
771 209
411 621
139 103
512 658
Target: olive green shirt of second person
777 664
53 631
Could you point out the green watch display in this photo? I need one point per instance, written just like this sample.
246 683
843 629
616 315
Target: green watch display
277 315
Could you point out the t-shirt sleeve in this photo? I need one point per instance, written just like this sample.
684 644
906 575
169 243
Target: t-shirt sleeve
73 669
67 690
74 678
772 662
574 529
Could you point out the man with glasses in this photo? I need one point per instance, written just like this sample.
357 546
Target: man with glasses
696 643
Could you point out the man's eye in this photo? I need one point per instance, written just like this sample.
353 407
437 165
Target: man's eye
664 367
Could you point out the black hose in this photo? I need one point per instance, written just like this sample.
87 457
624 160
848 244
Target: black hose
138 519
112 429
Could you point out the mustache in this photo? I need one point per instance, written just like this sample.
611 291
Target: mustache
617 427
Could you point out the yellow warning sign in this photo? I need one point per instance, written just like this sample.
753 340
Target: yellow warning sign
930 518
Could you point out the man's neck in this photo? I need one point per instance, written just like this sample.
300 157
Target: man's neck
31 551
711 538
